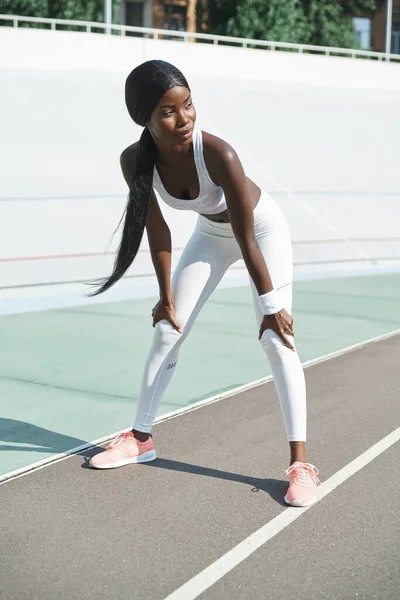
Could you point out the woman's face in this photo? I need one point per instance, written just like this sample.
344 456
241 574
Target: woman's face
174 117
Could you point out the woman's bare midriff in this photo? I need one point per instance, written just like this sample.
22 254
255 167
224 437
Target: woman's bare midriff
223 217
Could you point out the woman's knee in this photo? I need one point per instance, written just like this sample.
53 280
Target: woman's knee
165 335
273 345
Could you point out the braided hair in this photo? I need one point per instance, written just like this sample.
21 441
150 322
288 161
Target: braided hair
144 88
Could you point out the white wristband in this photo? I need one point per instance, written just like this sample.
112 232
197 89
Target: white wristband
269 303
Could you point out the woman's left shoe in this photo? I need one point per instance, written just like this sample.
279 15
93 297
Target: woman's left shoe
303 482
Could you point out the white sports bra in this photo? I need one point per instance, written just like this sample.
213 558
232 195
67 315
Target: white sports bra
211 198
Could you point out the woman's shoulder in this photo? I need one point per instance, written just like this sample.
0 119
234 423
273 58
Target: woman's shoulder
128 161
217 150
128 155
216 147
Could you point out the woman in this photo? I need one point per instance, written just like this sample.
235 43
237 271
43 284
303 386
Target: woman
193 170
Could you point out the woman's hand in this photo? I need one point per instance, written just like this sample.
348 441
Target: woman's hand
282 323
165 309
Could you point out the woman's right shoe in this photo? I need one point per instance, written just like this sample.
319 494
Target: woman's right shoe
125 449
303 482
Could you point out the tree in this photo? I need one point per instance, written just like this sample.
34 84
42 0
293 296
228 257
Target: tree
213 15
331 21
83 10
272 20
24 8
319 22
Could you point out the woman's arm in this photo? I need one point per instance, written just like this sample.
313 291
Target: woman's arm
227 171
159 237
158 232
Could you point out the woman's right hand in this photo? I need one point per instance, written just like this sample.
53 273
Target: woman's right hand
165 309
282 324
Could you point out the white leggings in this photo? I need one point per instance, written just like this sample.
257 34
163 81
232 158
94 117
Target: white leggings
211 250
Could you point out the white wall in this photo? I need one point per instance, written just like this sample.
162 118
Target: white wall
321 134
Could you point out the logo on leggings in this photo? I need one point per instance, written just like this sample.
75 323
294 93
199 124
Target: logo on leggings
172 365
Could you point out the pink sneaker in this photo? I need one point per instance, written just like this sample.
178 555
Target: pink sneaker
124 450
303 483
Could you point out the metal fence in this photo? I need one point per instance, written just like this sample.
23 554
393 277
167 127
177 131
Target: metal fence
185 36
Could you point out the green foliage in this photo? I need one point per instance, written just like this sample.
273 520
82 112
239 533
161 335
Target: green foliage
356 7
272 20
213 15
92 10
24 8
329 24
83 10
332 20
319 22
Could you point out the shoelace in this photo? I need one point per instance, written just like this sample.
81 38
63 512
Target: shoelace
303 472
121 437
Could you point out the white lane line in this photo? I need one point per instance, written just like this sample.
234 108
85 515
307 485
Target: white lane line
213 573
185 409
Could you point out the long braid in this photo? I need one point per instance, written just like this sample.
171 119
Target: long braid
144 88
135 212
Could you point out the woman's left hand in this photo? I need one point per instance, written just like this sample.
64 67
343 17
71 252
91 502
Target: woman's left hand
280 322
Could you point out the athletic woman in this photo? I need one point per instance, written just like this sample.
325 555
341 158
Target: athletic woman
194 170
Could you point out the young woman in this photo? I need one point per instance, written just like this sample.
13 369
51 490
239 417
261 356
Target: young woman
194 170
